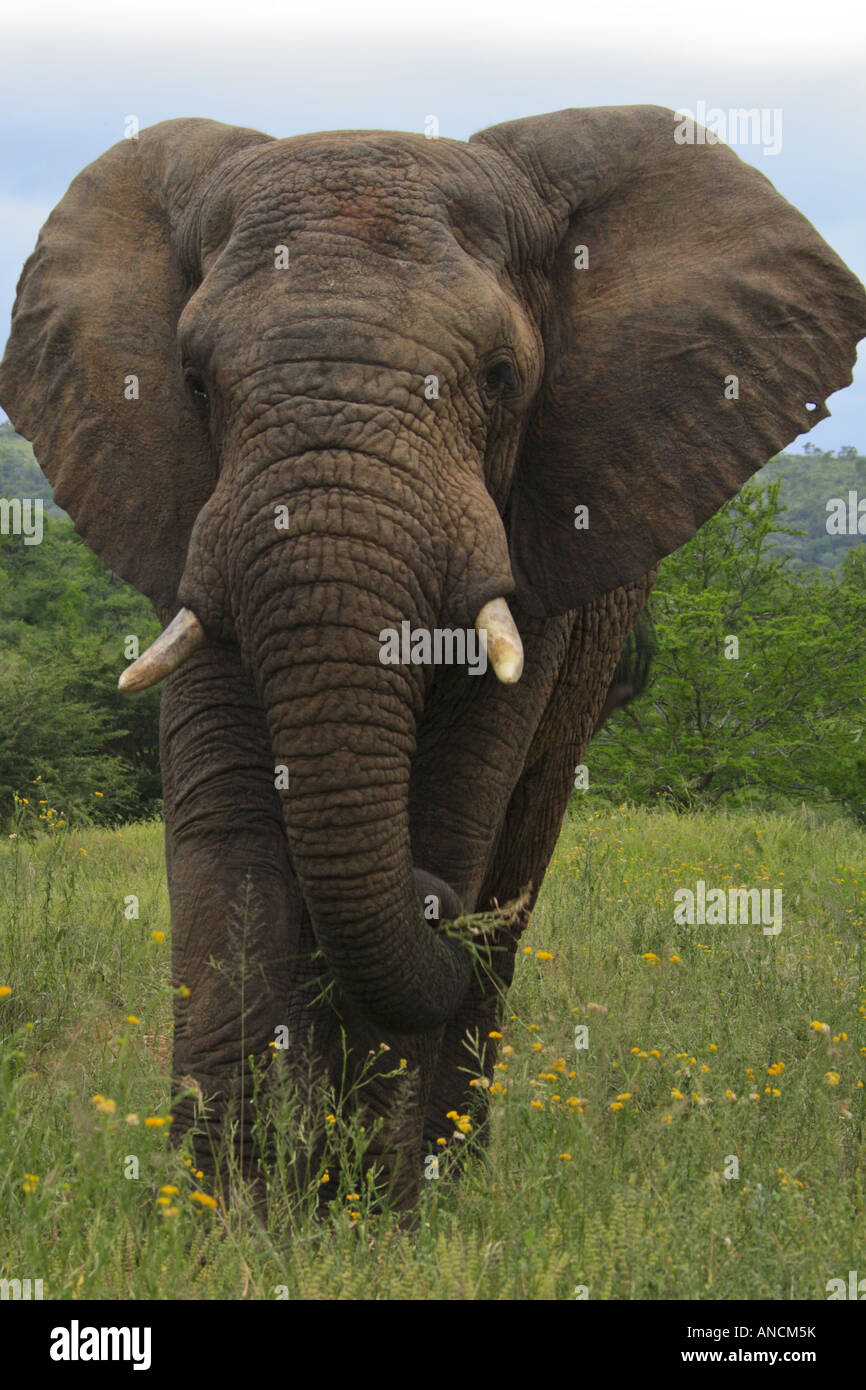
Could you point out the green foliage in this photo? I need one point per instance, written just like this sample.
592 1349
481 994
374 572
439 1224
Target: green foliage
70 743
784 717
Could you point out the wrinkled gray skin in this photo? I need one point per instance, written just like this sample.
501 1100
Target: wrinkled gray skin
559 386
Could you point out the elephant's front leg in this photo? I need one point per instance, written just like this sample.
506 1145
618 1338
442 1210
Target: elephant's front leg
527 840
468 1054
239 952
384 1089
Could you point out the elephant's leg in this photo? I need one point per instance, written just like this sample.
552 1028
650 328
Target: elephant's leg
236 912
465 1037
534 817
243 948
530 830
387 1090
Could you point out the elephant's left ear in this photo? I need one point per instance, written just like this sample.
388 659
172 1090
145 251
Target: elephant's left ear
694 326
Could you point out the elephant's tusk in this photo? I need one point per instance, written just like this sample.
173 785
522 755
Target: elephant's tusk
504 646
181 638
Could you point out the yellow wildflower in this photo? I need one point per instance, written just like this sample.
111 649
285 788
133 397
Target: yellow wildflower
204 1199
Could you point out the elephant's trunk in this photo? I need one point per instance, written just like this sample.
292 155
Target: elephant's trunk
346 814
310 605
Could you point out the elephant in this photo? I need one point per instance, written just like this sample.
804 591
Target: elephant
302 392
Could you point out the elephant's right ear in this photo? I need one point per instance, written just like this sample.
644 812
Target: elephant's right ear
91 373
693 318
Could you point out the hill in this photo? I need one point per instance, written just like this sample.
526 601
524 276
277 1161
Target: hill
20 474
809 482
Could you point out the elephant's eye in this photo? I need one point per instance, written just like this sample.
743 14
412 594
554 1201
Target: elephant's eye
498 378
197 390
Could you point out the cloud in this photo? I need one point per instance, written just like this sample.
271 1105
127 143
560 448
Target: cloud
789 32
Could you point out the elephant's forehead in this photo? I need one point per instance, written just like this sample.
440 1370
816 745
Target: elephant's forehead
378 185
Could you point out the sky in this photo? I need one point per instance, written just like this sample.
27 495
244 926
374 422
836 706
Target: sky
73 74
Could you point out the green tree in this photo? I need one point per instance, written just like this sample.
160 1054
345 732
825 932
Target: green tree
758 687
66 732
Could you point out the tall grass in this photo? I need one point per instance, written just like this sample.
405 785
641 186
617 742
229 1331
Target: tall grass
707 1143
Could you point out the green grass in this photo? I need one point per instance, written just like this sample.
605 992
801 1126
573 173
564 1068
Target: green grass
631 1202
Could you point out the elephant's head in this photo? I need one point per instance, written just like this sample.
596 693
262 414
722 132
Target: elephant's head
300 391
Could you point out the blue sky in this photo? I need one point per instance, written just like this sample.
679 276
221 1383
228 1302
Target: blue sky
71 75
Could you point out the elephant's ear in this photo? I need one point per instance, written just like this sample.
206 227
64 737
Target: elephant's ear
91 373
709 318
